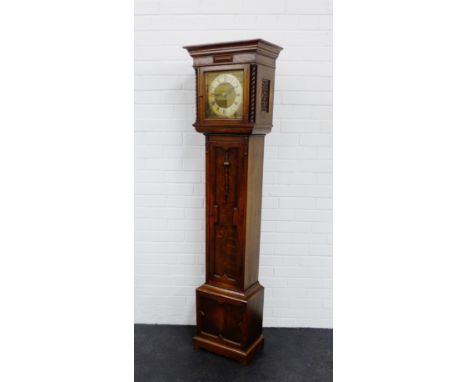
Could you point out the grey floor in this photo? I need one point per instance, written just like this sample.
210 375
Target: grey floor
164 353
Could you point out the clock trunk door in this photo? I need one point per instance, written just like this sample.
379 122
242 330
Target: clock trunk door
226 173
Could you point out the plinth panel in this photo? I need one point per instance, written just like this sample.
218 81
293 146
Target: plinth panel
221 318
230 323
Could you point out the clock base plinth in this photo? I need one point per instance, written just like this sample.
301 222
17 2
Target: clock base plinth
230 322
241 356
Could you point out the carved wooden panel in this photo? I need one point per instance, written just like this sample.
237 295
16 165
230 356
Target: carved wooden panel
225 226
265 102
221 320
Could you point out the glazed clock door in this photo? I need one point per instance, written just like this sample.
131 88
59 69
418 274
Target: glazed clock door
224 91
225 205
225 94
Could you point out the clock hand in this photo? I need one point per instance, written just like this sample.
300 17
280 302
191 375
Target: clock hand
230 91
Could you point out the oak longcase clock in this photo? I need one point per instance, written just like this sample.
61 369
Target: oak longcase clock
234 107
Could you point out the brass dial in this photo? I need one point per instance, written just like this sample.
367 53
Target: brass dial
225 94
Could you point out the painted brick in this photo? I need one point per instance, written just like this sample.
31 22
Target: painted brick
149 225
158 83
158 139
164 97
309 7
307 98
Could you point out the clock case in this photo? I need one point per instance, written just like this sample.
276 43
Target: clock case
229 305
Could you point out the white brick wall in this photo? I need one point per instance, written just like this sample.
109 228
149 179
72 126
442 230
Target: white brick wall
296 243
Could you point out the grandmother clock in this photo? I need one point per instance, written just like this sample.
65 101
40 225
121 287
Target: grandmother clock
234 103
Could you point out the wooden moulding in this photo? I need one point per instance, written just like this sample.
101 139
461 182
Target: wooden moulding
240 52
241 356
